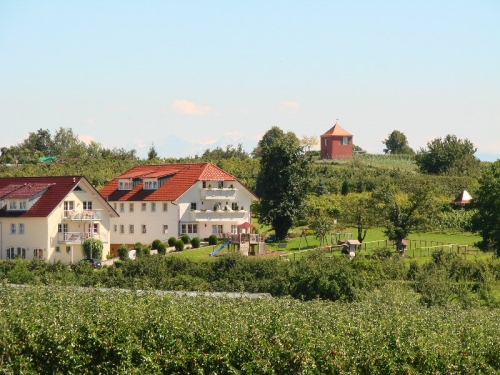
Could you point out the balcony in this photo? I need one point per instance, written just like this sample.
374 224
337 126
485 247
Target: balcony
218 194
83 215
219 215
79 237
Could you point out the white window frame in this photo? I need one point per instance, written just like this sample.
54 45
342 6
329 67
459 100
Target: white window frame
13 205
22 228
122 207
13 228
22 205
153 206
143 229
234 229
131 228
131 207
165 206
38 254
21 252
122 229
10 253
165 228
87 205
143 206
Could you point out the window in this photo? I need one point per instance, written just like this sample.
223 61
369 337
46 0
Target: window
94 228
22 205
13 205
122 228
165 228
143 229
38 254
143 206
220 184
69 205
193 205
345 141
326 141
115 228
150 185
204 184
11 253
131 207
12 228
125 185
58 249
153 206
122 207
87 205
131 229
189 228
62 228
234 229
165 206
68 249
21 252
21 228
217 229
114 206
234 206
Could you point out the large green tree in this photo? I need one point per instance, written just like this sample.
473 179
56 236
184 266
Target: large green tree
486 221
358 211
403 214
451 156
396 143
283 180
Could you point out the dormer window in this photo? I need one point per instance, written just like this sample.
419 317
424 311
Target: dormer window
13 205
22 205
125 185
150 184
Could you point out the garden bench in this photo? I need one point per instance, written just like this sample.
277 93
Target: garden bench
282 246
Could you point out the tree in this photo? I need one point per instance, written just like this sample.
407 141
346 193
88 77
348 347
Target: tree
358 211
486 221
92 248
152 154
308 142
451 156
396 143
403 214
283 180
322 212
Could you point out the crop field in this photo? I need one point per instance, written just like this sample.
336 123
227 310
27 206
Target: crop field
49 330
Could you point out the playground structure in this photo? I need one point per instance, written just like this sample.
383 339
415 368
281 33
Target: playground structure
245 242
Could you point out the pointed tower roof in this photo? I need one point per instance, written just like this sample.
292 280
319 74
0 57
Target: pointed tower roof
337 130
463 198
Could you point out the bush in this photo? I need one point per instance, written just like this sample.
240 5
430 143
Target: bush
195 242
185 238
138 249
92 248
213 240
162 249
146 250
179 245
155 244
123 252
172 241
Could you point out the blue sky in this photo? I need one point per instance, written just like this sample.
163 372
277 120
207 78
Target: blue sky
192 75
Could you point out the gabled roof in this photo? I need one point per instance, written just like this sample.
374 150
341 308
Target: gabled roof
183 177
337 130
463 198
51 191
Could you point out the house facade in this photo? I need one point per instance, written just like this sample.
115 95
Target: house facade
48 218
336 143
169 200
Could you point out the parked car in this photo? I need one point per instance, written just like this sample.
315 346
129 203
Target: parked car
96 263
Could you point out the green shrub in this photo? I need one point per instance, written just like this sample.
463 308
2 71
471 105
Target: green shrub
138 249
123 252
155 244
92 248
179 245
213 240
172 241
162 249
185 238
146 250
195 242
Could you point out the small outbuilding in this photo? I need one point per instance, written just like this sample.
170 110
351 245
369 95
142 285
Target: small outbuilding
463 198
336 143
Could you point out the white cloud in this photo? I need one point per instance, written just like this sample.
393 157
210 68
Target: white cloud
289 107
190 108
86 138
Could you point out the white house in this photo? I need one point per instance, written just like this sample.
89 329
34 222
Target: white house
48 218
161 201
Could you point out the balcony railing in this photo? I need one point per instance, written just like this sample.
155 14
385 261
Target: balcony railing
79 237
209 215
83 215
244 238
218 193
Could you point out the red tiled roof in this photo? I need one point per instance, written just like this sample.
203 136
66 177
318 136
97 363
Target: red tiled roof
56 189
27 191
184 176
337 130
